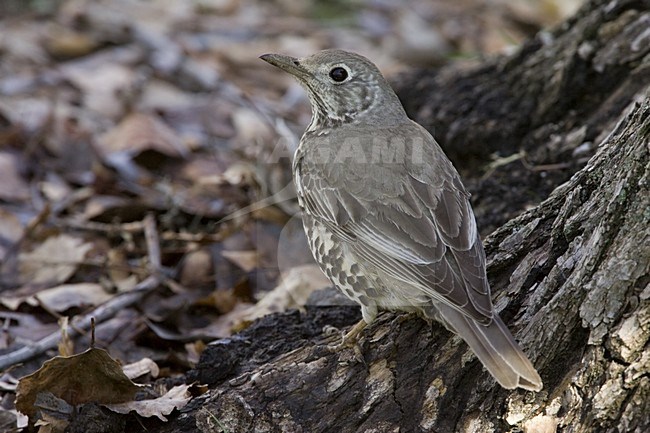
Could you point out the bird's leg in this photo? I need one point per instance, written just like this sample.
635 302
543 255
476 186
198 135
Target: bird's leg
352 335
350 338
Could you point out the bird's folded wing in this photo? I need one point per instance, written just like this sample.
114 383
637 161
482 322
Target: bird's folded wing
422 233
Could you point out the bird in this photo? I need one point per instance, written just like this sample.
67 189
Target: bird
386 215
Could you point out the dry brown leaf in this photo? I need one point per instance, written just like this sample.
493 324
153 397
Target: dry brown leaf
11 230
222 327
22 40
53 261
175 398
26 327
103 85
66 345
247 260
139 132
91 376
140 368
193 116
118 270
54 188
163 96
194 351
64 43
8 421
8 382
224 300
238 174
197 268
22 420
62 297
97 206
28 113
12 185
55 417
296 286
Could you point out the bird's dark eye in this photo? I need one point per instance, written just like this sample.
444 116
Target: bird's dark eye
338 74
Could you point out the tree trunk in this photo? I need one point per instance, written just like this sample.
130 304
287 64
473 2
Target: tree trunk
570 276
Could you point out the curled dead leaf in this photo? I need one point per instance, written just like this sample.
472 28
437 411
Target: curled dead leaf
65 296
139 132
292 292
91 376
140 368
53 261
175 398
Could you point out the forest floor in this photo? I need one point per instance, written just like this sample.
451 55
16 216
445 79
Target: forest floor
139 142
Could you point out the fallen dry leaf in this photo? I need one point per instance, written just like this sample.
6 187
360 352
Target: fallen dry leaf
11 230
140 368
247 260
8 420
65 296
139 132
103 85
91 376
54 413
197 268
12 185
53 261
8 382
28 114
292 292
175 398
97 207
119 272
26 326
221 327
194 351
64 43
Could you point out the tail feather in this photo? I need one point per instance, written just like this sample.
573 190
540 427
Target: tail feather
496 348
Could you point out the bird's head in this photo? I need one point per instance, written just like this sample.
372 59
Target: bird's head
343 88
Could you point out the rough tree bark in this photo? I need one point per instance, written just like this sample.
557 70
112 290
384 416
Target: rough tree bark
570 276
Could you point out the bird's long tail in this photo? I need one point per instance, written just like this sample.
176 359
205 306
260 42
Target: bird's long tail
496 348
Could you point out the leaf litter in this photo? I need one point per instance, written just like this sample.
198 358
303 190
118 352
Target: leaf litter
145 181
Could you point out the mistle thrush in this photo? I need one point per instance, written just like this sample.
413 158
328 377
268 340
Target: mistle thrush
386 215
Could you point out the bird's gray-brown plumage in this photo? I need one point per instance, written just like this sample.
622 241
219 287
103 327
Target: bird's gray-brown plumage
386 215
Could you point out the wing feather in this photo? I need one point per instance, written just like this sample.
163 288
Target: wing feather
412 222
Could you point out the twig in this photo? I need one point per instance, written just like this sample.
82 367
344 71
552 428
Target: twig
153 244
92 332
131 227
100 314
546 167
499 162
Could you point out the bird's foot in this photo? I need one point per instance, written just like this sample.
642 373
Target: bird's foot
349 340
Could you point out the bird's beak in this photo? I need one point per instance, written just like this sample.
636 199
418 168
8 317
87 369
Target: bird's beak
287 64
